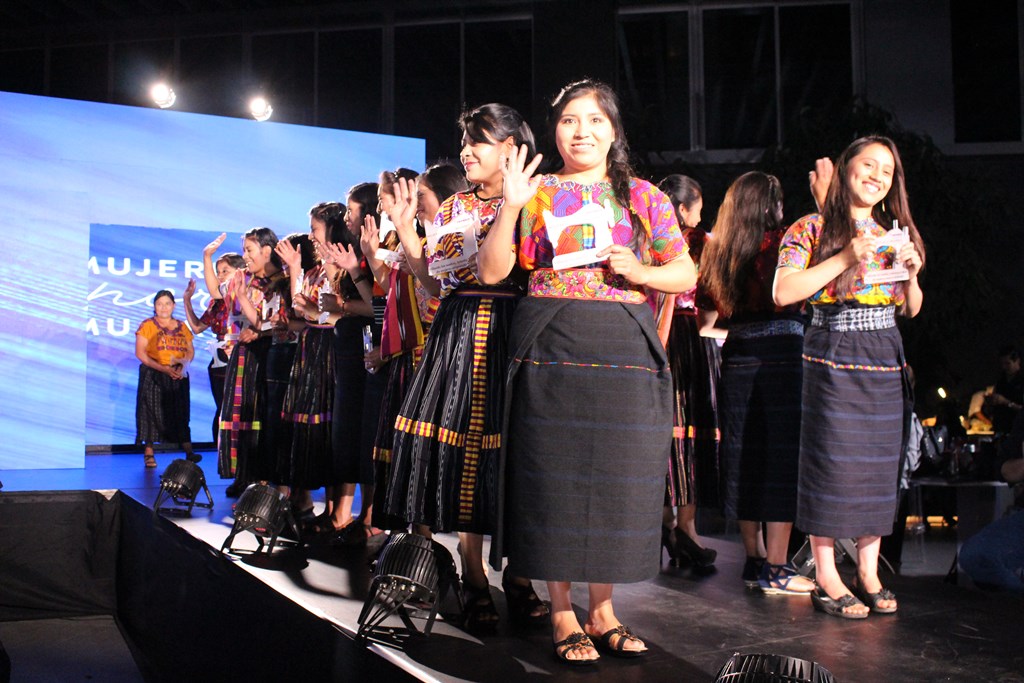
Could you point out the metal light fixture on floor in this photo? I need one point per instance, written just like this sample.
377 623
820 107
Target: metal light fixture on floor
762 668
409 568
180 483
264 511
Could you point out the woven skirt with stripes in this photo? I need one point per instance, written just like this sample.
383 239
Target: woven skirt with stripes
851 435
759 401
162 408
307 411
444 462
590 432
399 371
241 451
693 469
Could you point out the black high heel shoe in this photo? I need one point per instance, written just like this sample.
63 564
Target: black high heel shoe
686 546
522 601
669 545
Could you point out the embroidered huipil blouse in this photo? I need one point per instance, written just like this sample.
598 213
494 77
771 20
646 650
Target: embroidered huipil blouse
166 346
451 245
664 241
798 246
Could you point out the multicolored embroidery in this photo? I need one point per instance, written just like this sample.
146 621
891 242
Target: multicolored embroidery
590 283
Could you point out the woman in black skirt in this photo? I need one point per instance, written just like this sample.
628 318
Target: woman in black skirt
693 469
590 391
448 435
759 390
855 387
163 346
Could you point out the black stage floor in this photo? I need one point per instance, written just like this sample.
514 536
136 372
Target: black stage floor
692 623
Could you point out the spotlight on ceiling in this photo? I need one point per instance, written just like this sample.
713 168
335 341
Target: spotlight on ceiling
260 109
162 95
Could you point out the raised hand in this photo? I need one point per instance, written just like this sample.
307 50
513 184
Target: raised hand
214 245
403 212
343 256
291 256
236 285
369 237
518 182
622 261
820 178
190 288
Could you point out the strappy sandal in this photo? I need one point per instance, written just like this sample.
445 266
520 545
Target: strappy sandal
479 614
775 580
604 642
576 642
836 608
523 603
872 599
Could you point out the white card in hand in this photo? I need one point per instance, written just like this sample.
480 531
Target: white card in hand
601 218
468 225
887 249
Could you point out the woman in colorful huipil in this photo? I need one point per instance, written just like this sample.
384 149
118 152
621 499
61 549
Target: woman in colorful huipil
759 389
855 387
163 346
407 313
241 449
225 324
309 398
590 425
693 472
448 432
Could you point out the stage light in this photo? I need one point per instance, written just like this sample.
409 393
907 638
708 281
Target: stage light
760 668
264 511
410 567
181 482
260 109
163 95
942 393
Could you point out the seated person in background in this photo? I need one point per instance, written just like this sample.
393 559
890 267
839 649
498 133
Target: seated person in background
978 420
1005 401
994 557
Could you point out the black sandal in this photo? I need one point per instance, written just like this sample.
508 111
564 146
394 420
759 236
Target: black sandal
836 607
604 642
523 602
872 599
576 642
478 613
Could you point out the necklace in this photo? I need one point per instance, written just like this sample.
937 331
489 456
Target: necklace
476 192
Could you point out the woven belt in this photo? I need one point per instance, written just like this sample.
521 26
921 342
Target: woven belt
856 319
766 328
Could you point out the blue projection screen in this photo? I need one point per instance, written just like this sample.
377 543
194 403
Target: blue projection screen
103 205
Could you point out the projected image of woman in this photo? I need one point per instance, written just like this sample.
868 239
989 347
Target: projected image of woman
241 449
163 345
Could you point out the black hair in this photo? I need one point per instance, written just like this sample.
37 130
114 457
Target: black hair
265 237
304 245
163 292
682 190
232 258
492 123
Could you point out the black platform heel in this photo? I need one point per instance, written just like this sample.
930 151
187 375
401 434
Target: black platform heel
669 545
686 546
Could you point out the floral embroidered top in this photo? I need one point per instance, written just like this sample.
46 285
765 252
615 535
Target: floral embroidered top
450 246
798 246
226 324
165 346
755 302
593 281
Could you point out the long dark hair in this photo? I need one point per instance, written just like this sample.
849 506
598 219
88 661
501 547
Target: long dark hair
333 216
620 171
444 180
265 237
838 225
494 123
682 190
751 208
